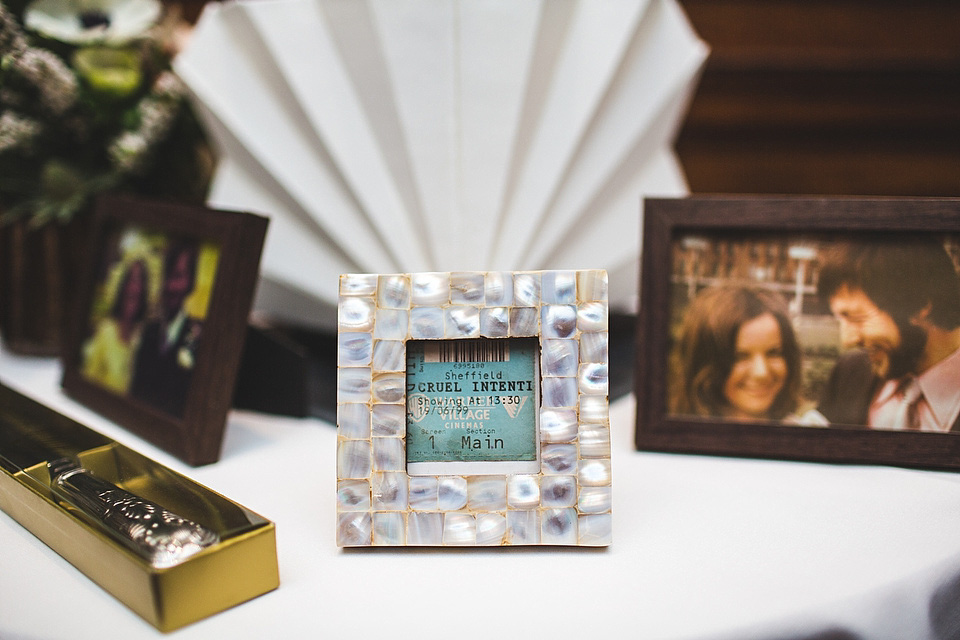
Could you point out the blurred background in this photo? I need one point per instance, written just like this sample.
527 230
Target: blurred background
838 97
818 97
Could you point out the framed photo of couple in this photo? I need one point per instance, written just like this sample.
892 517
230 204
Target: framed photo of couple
823 329
160 318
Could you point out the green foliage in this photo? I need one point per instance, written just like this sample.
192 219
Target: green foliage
78 120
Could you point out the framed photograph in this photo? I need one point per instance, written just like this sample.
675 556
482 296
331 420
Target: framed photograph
158 329
472 409
801 328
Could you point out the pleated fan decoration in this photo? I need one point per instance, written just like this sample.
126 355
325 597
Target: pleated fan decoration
386 136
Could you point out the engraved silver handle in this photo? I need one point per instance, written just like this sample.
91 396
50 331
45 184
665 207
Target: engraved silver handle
162 537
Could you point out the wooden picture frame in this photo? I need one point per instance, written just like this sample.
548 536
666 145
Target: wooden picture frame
687 247
554 489
177 394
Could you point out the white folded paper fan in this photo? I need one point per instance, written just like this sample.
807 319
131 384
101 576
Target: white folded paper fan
386 136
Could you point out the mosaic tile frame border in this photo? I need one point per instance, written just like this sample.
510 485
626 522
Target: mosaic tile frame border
567 503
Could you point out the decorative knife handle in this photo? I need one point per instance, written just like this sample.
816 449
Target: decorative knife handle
162 537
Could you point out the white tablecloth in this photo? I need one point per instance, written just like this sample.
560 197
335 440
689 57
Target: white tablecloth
704 547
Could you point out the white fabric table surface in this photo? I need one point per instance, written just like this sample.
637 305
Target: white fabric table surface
703 547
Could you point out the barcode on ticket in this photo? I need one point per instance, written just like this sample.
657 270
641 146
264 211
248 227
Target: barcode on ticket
467 351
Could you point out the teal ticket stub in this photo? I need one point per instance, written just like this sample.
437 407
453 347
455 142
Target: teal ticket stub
472 400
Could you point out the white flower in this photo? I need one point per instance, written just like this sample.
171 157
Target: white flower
89 21
128 151
17 131
55 82
11 36
157 112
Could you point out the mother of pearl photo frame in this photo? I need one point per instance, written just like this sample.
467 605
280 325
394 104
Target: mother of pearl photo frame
562 497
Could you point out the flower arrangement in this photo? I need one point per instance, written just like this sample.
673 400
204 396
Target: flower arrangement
88 104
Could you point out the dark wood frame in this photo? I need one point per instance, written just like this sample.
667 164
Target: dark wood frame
666 219
197 437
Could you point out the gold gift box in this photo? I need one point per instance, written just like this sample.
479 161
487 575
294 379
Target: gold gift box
243 565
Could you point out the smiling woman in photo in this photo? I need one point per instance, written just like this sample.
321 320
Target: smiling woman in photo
737 357
108 355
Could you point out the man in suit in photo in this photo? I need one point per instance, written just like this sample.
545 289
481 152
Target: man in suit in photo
898 304
163 368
